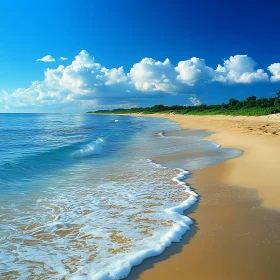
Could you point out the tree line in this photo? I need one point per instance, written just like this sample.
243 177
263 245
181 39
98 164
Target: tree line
251 106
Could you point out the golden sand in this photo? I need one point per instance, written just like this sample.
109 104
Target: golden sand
236 231
259 167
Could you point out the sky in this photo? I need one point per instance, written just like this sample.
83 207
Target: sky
72 56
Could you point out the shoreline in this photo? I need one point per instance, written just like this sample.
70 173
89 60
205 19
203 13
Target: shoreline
259 160
236 231
255 136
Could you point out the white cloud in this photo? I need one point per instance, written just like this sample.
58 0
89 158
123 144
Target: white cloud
114 75
83 78
195 101
85 83
63 58
47 58
274 69
193 70
239 69
149 75
82 82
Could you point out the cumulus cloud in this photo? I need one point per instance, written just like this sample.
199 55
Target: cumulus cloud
63 58
193 70
113 76
85 83
82 79
195 101
82 82
239 69
149 75
274 69
47 58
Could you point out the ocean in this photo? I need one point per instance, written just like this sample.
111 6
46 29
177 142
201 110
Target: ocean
91 196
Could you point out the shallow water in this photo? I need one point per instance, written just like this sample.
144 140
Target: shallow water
80 197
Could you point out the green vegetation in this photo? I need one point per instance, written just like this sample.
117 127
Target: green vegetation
251 106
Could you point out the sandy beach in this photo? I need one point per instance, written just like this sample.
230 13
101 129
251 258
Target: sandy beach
236 231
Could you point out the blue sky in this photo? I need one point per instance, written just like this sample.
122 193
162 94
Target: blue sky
116 53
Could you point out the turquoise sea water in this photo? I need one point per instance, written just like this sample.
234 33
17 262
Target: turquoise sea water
81 198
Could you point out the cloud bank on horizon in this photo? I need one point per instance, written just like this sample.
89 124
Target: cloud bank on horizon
85 84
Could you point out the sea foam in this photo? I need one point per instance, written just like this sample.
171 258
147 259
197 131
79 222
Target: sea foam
86 216
69 224
121 267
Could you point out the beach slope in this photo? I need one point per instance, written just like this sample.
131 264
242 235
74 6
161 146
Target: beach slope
236 232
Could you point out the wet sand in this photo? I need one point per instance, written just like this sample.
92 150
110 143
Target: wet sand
259 138
236 231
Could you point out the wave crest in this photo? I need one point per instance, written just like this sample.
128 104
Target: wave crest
93 148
